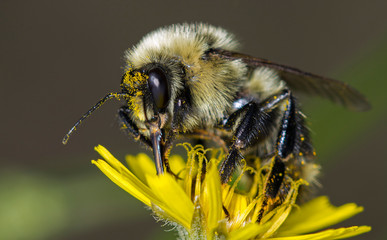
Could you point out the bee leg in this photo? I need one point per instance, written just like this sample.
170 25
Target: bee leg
168 168
251 124
180 111
272 185
201 134
288 130
228 166
268 155
293 135
130 127
286 142
293 138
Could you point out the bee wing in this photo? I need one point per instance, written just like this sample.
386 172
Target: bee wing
300 81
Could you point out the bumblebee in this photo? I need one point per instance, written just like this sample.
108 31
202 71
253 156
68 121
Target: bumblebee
190 80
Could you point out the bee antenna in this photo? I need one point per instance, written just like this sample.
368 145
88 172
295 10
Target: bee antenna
91 110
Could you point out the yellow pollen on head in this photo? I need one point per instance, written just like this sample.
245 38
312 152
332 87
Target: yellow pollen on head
134 104
132 82
132 78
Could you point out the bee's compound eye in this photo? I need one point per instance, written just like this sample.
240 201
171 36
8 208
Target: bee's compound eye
158 85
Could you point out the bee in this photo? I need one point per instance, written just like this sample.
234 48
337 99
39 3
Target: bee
190 80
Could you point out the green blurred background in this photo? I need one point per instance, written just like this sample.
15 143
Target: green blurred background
57 58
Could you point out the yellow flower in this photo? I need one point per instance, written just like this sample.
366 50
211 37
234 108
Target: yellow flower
200 207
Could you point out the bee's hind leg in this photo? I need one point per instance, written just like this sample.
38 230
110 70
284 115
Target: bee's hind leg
292 141
255 121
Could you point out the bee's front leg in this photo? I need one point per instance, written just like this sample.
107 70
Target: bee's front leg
130 127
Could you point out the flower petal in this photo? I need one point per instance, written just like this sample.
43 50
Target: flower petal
237 210
130 184
113 162
177 165
125 179
211 198
141 165
277 220
329 234
240 219
170 199
251 230
315 215
175 201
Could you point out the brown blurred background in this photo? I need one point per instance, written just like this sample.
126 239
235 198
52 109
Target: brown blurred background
57 58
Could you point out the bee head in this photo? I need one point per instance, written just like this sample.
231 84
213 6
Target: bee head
150 95
149 90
